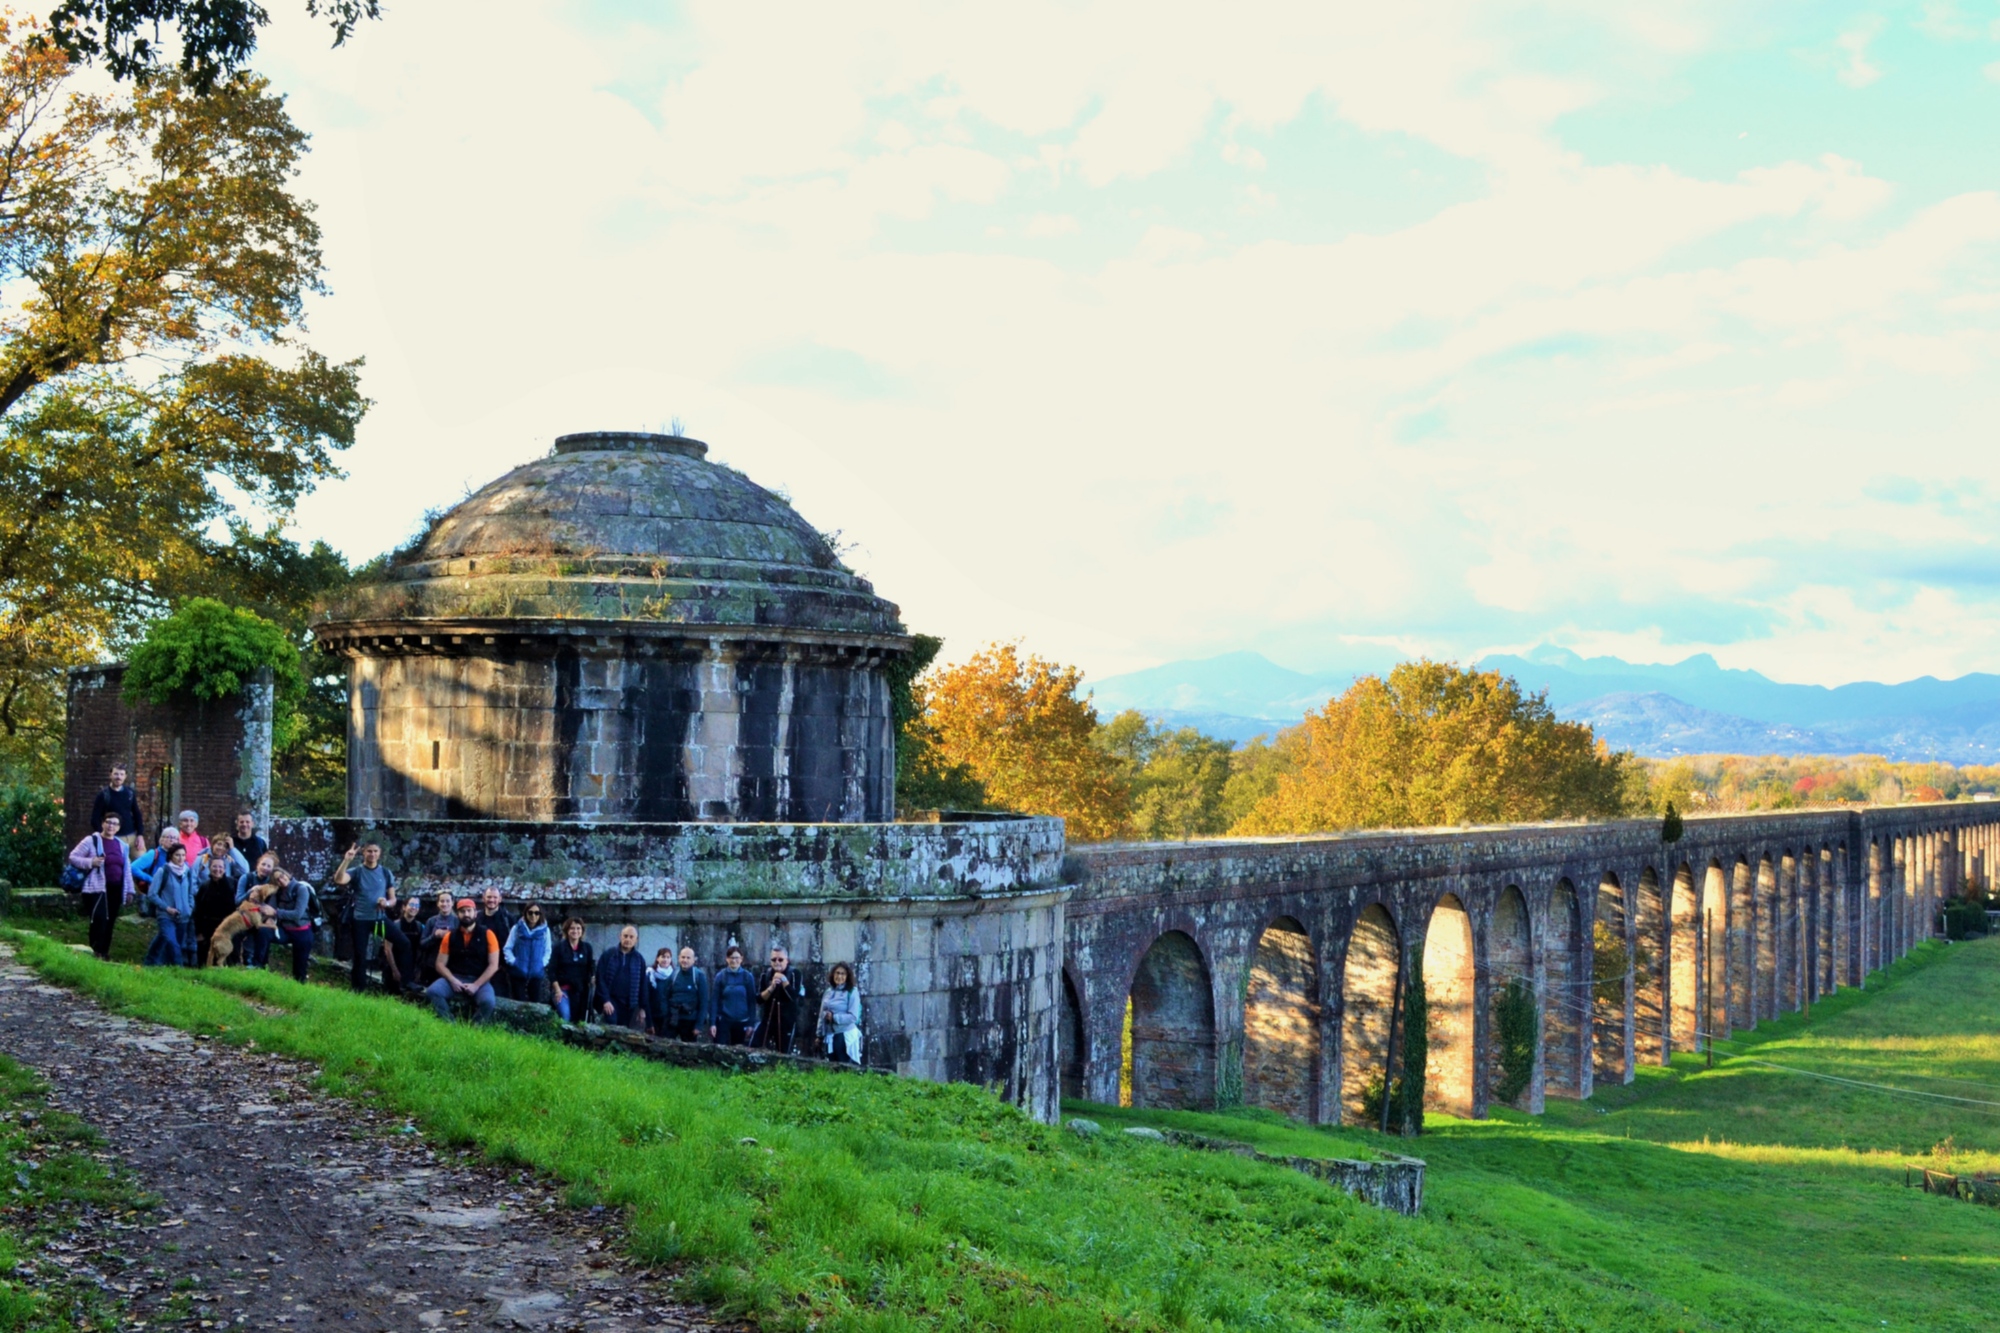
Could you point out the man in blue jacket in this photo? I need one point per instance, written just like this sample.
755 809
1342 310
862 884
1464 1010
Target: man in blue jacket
622 984
735 1010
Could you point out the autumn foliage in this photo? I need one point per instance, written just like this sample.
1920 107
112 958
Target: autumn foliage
1016 724
1435 744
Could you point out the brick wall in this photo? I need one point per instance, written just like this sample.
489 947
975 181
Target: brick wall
213 757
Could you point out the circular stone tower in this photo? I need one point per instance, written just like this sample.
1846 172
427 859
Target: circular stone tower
620 631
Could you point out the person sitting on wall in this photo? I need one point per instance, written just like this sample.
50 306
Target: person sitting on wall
501 922
734 1012
441 924
191 835
527 956
214 900
571 966
255 946
292 906
121 798
466 964
171 898
840 1016
371 902
683 999
622 985
107 884
783 997
401 939
248 841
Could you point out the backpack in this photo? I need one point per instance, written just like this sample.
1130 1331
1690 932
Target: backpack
74 876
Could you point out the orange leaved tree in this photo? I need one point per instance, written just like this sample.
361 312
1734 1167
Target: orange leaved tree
1430 744
1017 724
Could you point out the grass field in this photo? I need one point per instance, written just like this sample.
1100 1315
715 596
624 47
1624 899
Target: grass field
1749 1197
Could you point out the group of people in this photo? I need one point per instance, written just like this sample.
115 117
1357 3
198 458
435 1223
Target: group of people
188 883
472 951
468 952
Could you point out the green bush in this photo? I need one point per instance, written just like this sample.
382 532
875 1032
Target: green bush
206 650
1963 920
1515 1020
31 836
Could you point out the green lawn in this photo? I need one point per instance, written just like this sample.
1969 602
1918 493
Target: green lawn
1745 1198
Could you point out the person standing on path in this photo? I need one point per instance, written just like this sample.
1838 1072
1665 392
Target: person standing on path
373 901
172 899
121 798
106 862
622 984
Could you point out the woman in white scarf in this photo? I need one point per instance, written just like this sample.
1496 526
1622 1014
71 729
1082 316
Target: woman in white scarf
840 1016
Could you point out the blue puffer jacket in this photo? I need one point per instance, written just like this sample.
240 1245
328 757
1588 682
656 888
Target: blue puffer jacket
527 949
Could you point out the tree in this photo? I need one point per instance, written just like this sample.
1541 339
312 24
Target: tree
206 650
150 376
1015 723
924 779
1176 777
217 37
1430 744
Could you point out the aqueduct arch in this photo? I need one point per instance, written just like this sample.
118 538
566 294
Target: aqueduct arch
1449 988
1371 976
1566 998
1510 960
1173 1027
1281 1022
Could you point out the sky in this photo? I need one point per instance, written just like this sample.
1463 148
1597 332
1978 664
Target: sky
1148 332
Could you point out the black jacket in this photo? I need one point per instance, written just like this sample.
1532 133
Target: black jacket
572 969
123 802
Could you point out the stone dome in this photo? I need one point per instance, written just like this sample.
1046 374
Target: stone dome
617 526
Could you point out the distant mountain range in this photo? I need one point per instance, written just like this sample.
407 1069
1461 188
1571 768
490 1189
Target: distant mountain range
1691 707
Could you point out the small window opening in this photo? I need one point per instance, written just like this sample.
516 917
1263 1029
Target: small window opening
434 754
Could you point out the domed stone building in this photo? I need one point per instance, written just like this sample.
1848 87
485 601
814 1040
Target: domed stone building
621 631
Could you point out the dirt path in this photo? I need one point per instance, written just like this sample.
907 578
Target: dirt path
344 1218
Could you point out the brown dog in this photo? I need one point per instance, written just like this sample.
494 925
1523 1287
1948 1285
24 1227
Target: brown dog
251 913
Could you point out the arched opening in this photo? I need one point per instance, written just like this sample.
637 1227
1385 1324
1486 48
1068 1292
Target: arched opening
1713 1002
1172 1039
1683 963
1810 952
1281 1022
1742 934
1649 1018
1764 984
1070 1041
1611 982
1565 1001
1837 928
1791 935
1871 951
1509 963
1368 981
1448 991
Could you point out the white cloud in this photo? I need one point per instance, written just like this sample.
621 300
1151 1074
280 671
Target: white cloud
1594 390
1856 70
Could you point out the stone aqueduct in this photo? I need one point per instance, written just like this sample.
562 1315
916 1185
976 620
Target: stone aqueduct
1264 971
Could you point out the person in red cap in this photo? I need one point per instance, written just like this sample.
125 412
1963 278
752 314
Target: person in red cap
466 962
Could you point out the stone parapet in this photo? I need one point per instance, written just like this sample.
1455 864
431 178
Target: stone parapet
668 863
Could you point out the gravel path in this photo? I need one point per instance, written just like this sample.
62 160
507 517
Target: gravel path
290 1208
